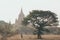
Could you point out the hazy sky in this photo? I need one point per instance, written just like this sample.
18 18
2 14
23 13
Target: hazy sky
10 9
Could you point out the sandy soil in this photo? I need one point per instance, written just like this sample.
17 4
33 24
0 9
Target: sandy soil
34 37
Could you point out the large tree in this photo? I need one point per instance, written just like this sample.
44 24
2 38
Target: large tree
40 19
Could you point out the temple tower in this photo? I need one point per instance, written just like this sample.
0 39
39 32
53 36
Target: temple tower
20 18
19 27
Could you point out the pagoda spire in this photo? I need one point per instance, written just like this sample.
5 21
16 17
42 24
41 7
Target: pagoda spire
21 10
21 14
20 17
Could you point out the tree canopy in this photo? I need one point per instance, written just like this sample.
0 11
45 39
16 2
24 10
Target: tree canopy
41 19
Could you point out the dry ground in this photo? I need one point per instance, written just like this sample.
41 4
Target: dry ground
34 37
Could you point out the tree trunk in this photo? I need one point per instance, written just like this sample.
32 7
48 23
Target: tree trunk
21 35
39 36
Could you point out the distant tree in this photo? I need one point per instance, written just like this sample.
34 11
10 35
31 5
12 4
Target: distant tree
5 29
41 19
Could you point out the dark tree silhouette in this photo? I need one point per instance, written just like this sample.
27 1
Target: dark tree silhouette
41 19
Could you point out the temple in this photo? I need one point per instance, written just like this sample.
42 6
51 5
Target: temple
20 19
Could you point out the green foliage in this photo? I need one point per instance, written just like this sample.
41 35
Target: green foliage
41 19
50 16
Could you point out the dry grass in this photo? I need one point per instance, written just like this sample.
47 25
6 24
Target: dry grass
51 37
34 37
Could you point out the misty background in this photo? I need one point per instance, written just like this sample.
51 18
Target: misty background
10 9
